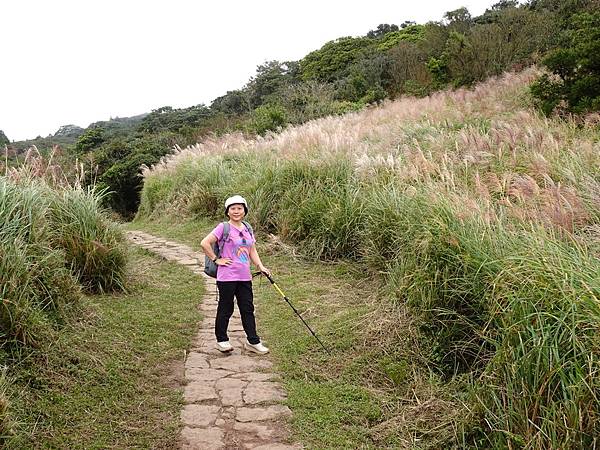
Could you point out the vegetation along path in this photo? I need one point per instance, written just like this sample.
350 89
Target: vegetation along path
231 400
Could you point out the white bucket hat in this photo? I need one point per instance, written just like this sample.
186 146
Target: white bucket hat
236 200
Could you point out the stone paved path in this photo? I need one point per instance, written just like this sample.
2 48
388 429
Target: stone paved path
232 401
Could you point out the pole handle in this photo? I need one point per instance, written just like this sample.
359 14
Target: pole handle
265 274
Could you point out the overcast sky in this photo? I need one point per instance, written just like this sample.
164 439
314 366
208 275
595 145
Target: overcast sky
81 61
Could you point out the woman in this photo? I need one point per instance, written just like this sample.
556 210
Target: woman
234 278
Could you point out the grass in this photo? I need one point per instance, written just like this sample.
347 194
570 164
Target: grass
480 218
353 397
93 245
334 405
54 242
30 262
111 379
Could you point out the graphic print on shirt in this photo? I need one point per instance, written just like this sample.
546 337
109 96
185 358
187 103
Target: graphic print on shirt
242 253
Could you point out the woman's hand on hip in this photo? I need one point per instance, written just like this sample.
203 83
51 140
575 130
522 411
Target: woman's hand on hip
223 261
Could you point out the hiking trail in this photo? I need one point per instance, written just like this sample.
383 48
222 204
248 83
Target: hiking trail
231 400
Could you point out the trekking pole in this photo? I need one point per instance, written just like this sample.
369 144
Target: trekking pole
295 310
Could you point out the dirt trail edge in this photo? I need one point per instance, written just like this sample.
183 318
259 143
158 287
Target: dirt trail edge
232 401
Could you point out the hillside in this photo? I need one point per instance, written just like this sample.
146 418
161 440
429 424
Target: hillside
348 74
476 216
67 135
485 145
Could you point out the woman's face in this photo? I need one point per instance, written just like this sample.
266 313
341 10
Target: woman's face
236 212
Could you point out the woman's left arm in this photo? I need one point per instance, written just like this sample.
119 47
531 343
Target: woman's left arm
256 260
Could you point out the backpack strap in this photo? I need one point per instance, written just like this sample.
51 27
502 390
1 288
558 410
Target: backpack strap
249 228
226 228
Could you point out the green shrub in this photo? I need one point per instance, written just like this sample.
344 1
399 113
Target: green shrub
3 139
94 247
35 284
268 118
49 240
156 190
309 100
90 139
204 202
516 306
331 60
412 33
420 244
540 388
575 68
199 186
264 191
315 203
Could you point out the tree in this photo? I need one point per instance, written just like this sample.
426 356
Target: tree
412 33
91 138
268 118
309 100
124 182
119 164
334 58
270 77
234 102
382 30
492 15
565 8
3 139
170 119
575 69
408 65
367 79
458 20
504 4
510 41
434 39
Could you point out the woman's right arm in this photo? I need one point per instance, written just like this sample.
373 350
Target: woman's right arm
206 245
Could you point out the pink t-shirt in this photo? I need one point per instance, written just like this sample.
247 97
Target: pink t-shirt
237 247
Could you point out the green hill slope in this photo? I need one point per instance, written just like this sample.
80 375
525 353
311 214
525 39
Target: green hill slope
480 218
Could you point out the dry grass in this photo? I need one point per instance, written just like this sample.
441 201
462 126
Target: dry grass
484 145
375 130
35 166
479 214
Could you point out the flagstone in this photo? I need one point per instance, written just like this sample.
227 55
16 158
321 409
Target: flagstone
262 392
196 374
255 429
196 360
240 363
274 447
253 376
199 415
262 413
199 391
203 438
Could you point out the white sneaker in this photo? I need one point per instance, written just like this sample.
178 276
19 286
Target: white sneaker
224 346
257 348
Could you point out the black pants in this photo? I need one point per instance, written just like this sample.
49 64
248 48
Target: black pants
242 290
